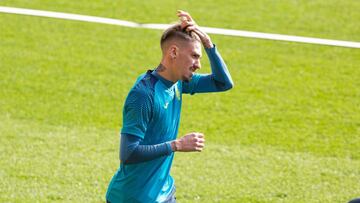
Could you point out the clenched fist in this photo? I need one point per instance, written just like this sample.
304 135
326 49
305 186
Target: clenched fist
190 142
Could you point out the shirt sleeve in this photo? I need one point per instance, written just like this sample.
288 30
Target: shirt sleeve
137 113
132 152
219 80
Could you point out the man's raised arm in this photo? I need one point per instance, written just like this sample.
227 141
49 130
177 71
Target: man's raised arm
220 78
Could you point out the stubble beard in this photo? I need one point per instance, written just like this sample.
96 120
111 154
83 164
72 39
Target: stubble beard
187 79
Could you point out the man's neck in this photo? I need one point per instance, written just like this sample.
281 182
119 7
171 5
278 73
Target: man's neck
164 70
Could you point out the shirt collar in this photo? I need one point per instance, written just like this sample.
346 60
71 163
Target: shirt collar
166 82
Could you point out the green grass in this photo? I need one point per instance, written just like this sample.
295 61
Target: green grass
288 131
332 19
45 163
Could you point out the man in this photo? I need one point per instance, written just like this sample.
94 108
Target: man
151 115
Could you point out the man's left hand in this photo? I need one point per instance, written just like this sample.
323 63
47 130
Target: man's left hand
190 25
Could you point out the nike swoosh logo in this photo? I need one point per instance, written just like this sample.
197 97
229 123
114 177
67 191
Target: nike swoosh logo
166 105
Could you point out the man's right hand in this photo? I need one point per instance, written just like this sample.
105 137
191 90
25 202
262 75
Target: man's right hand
189 143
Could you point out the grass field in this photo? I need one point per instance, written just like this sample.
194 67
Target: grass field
289 131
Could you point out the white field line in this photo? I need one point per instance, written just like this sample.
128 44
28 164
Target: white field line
164 26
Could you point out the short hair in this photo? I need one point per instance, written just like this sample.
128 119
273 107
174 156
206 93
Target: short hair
176 32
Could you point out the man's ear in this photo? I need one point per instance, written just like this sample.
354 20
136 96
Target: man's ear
174 51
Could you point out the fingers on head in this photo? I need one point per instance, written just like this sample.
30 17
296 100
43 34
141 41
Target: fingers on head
188 24
181 13
190 27
183 19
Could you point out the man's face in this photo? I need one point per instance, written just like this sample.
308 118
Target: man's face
188 60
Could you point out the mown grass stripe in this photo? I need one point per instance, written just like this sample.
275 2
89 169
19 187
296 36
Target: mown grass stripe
210 30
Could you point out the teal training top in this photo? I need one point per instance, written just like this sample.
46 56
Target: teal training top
152 113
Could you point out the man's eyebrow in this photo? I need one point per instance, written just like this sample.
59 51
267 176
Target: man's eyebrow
197 55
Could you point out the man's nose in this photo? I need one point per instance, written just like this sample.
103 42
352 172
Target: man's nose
197 64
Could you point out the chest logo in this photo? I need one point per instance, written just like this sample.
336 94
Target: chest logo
166 105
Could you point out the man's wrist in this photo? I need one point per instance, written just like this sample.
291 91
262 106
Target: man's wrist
173 146
208 44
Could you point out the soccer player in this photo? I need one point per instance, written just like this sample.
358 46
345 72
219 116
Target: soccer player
151 115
